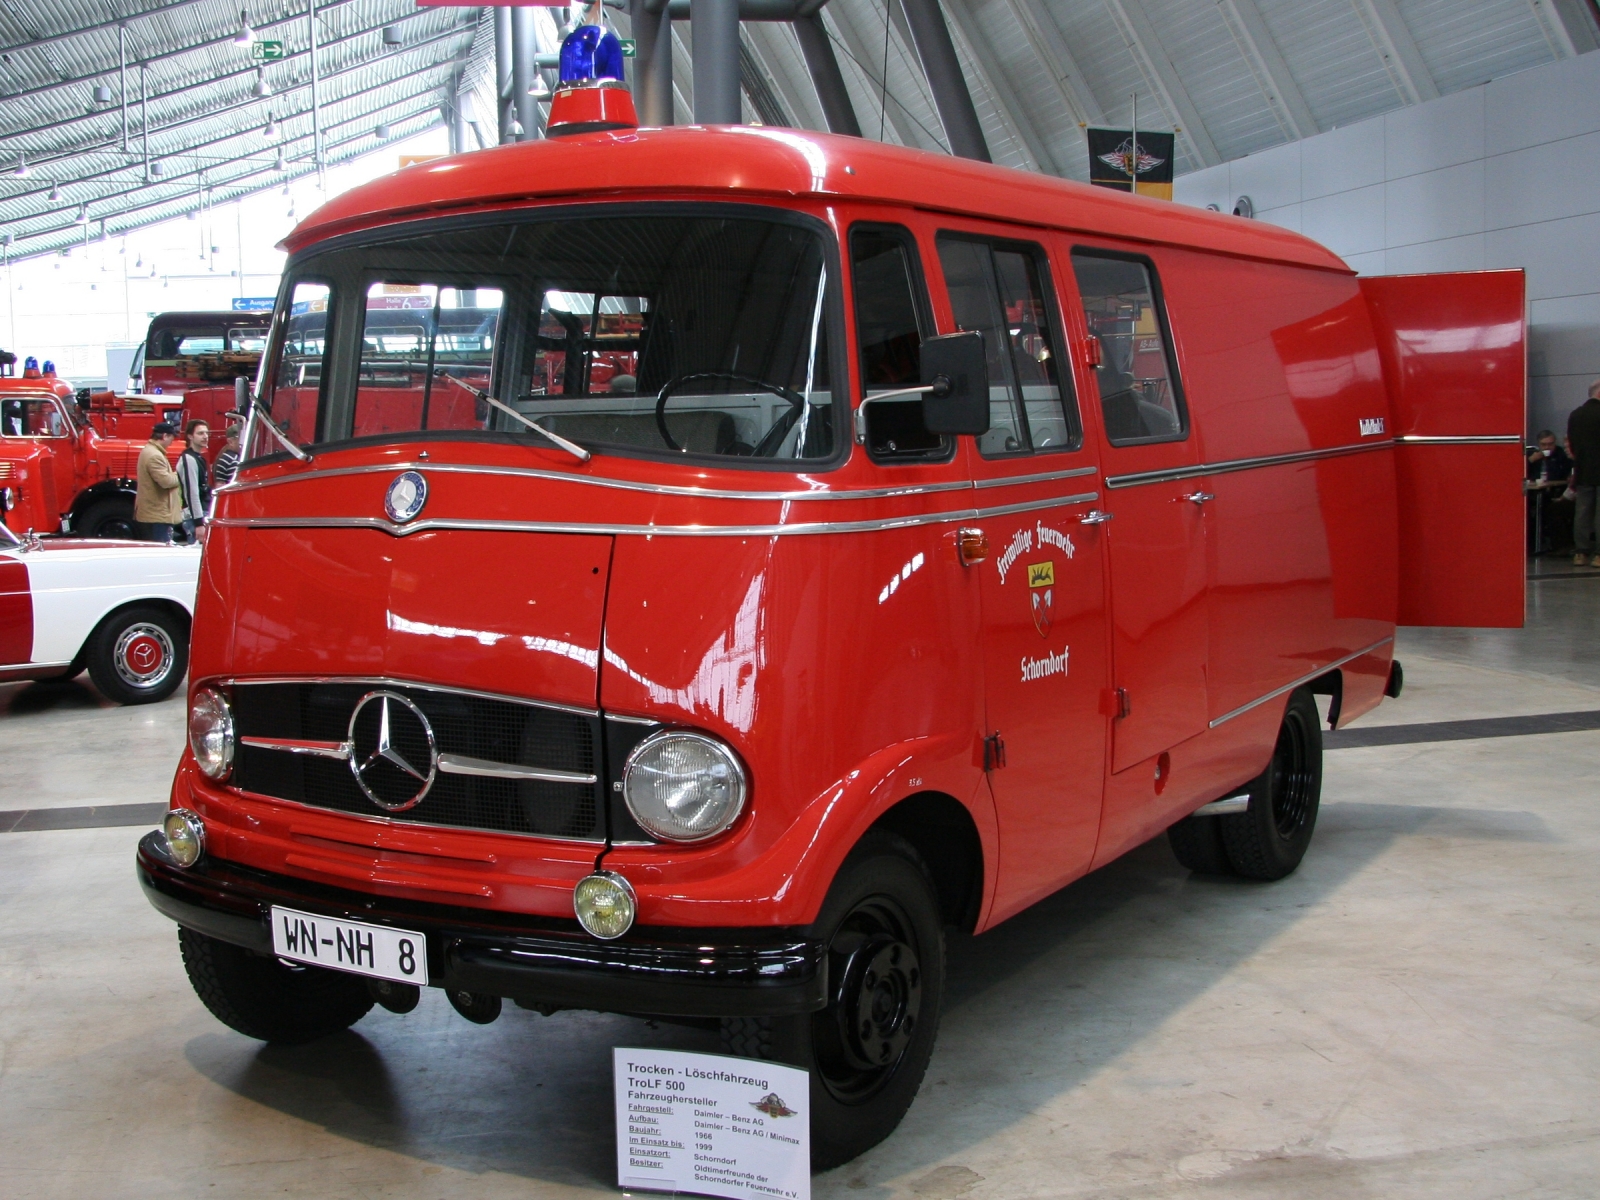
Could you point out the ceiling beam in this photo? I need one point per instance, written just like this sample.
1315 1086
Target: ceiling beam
192 150
1392 39
1580 21
1557 30
50 39
776 44
137 161
992 78
176 52
429 103
189 88
1050 45
1139 34
1260 49
848 39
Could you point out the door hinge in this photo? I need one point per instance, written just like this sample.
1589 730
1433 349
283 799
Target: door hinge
1121 703
994 752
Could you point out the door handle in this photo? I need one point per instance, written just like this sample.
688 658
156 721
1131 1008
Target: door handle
1095 517
1199 497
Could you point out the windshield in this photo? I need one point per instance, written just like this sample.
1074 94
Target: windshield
33 416
672 334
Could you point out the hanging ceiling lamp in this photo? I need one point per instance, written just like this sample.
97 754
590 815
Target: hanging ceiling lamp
246 35
261 88
55 193
270 129
22 169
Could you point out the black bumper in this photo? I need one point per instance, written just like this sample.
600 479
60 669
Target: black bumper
647 972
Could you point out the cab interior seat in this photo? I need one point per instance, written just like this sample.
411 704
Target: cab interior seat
699 431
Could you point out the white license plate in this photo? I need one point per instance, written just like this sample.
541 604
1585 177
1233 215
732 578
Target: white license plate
377 950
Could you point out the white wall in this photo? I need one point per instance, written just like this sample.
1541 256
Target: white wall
1506 174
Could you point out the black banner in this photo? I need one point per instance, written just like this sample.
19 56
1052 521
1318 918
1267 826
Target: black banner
1112 161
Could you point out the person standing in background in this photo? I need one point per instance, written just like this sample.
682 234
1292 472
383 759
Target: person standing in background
157 505
227 464
1583 439
195 478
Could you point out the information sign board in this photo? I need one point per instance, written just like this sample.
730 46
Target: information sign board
712 1125
266 50
253 303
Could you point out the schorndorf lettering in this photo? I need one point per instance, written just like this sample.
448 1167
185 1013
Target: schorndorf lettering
1050 664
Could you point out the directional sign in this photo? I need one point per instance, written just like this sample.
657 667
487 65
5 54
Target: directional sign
266 51
253 303
630 48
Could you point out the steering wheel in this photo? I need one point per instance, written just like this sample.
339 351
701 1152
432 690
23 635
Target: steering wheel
677 381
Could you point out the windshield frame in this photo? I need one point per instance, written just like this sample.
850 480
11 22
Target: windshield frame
303 267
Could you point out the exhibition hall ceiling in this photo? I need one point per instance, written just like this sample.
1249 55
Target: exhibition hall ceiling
197 118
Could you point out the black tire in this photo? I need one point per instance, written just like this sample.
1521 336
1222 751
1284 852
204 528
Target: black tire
869 1049
1268 840
111 518
1197 844
265 998
138 655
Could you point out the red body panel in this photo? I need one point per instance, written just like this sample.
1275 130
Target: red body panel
1454 352
840 648
16 613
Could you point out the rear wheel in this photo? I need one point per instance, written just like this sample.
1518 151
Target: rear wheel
868 1050
138 655
1268 840
111 518
269 999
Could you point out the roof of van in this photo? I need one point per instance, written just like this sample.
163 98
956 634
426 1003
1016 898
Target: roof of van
756 161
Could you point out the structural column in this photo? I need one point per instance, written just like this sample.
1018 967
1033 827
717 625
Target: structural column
945 81
502 73
652 82
714 25
826 76
523 48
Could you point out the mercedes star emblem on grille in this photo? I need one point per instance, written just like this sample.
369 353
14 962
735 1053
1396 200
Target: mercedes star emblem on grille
406 495
393 754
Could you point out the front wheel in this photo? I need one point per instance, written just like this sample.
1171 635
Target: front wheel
869 1049
111 518
268 999
138 655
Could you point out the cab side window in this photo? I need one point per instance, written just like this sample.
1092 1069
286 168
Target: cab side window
998 289
891 321
1139 391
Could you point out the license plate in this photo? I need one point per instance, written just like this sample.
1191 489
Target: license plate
377 950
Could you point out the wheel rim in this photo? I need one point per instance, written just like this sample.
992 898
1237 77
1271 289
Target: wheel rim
116 527
1291 777
143 655
863 1035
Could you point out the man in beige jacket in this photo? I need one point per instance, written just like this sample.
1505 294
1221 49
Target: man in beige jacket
158 505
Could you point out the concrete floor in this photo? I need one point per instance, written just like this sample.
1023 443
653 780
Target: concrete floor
1415 1013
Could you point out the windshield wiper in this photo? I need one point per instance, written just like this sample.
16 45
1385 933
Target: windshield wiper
572 448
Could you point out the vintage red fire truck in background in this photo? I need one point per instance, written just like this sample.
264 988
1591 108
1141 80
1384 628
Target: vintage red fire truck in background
186 351
761 551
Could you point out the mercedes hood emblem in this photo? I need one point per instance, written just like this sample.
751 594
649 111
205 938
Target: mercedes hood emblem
393 753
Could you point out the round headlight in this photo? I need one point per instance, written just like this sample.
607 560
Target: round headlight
186 836
211 733
605 904
683 787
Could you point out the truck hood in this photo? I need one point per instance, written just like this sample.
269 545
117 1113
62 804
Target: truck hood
515 614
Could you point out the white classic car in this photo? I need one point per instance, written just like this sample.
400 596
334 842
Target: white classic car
119 609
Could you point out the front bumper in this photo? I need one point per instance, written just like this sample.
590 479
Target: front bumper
647 972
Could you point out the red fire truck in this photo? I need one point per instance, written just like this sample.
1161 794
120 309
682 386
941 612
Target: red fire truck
184 351
952 531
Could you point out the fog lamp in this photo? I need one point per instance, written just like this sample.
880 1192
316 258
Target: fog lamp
211 733
605 904
683 787
186 836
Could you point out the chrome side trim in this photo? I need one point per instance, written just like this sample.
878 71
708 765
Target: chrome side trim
34 666
1228 466
1018 480
1306 678
584 527
337 750
1472 439
1221 808
385 681
625 485
462 764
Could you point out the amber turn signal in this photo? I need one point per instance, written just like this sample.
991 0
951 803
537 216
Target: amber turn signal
972 545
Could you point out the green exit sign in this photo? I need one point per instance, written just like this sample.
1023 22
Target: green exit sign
266 51
630 48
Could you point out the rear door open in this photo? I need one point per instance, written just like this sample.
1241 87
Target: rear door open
1453 349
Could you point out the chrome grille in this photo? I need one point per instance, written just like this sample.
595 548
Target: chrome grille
468 725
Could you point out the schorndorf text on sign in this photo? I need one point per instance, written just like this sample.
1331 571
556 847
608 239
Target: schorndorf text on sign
712 1125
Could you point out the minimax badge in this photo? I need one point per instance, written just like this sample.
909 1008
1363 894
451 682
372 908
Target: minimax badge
1372 426
405 497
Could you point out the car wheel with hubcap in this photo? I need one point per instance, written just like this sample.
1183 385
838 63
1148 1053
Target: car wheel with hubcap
138 655
109 519
868 1049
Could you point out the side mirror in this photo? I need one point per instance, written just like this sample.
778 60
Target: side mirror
955 368
241 394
